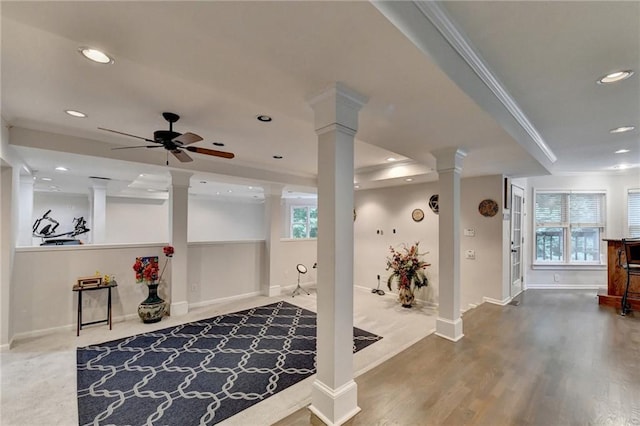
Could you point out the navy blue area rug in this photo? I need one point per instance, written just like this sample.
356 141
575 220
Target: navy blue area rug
202 372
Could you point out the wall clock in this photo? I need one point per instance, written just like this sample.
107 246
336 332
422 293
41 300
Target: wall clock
417 215
488 208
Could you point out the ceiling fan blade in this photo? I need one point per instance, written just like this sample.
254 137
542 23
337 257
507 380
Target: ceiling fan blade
139 146
187 138
213 152
127 134
181 155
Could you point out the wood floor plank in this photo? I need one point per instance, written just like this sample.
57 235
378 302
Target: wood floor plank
556 358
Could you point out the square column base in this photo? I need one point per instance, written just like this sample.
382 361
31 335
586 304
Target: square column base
179 308
450 330
334 406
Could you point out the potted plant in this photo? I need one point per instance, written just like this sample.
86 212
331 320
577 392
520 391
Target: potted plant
408 270
153 307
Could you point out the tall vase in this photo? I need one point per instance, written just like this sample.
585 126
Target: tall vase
153 307
405 296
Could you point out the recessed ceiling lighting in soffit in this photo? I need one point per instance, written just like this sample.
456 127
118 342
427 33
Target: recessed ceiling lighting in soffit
622 129
615 77
95 55
74 113
264 118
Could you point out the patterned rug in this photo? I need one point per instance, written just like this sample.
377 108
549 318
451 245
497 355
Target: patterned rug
202 372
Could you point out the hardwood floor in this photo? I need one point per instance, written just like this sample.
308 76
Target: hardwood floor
556 358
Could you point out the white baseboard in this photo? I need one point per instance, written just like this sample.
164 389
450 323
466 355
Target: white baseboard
223 299
565 287
426 303
503 302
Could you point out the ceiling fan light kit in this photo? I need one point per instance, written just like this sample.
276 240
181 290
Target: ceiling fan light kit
174 142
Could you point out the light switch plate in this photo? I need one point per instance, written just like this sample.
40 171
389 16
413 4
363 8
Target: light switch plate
469 232
470 254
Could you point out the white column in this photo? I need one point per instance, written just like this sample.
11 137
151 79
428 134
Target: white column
98 207
449 167
334 393
178 222
25 232
273 231
7 248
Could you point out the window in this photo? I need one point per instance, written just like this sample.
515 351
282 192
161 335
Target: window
569 227
633 213
304 222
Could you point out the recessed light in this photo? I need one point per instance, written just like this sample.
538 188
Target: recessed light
278 157
95 55
391 159
62 169
408 180
614 77
218 193
622 166
357 186
622 151
264 118
46 179
229 191
622 129
251 187
218 143
74 113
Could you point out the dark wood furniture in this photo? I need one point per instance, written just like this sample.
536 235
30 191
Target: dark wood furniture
617 278
81 290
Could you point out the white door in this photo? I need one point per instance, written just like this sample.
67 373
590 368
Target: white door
517 239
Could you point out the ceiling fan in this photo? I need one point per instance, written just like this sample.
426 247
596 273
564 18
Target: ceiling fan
174 142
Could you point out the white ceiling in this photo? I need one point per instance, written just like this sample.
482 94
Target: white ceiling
220 64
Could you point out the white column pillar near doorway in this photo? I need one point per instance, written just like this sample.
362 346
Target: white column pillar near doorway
178 223
25 231
449 167
273 231
334 394
98 204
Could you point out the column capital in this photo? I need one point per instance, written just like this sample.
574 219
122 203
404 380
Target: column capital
97 183
180 177
449 159
273 189
337 104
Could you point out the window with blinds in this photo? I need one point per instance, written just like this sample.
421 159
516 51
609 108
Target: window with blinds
633 213
569 226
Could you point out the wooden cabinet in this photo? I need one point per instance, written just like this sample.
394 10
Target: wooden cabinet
617 278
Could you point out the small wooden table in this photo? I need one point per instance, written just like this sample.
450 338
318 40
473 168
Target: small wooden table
80 290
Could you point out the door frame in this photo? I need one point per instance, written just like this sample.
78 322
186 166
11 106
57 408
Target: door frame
516 255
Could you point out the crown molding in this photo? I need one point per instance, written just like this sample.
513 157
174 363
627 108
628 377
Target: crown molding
435 13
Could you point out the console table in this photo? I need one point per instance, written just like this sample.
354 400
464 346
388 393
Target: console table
617 278
81 290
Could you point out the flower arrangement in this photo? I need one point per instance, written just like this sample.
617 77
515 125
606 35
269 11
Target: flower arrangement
146 268
408 270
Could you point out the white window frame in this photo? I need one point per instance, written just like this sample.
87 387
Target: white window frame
566 227
308 208
633 221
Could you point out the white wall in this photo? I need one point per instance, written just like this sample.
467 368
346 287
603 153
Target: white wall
294 252
387 209
616 186
227 220
43 299
136 220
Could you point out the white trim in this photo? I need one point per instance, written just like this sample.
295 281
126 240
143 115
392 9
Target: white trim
426 303
454 36
178 309
502 302
565 287
336 400
223 299
450 330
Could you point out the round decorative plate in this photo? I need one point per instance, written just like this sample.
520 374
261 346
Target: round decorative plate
417 215
488 208
433 203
